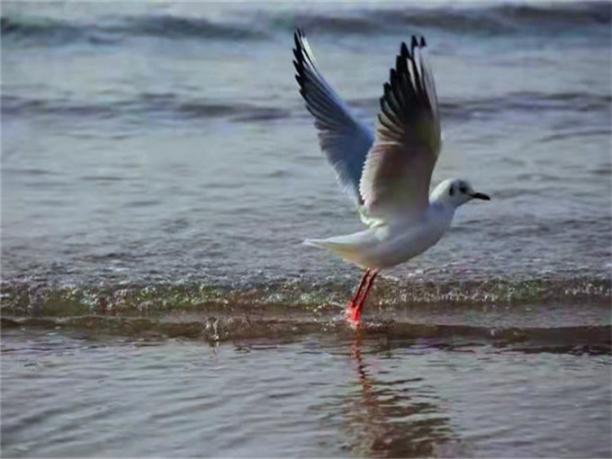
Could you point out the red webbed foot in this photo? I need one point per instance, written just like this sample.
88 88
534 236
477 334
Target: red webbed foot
353 314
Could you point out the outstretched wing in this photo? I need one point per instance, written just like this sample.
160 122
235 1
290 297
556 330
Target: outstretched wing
343 138
397 174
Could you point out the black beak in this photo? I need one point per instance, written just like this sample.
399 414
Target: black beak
484 197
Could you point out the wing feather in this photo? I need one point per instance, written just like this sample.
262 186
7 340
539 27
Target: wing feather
344 139
397 172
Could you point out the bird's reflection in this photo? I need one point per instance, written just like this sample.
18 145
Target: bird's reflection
393 418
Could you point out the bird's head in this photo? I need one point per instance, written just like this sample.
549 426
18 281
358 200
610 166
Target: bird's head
455 192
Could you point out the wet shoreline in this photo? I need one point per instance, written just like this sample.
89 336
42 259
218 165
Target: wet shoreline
320 393
565 326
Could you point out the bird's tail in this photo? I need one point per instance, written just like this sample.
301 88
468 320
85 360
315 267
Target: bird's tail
315 243
344 250
326 244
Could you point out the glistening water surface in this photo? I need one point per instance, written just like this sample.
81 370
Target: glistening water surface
320 395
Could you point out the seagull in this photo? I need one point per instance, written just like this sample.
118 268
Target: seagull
387 173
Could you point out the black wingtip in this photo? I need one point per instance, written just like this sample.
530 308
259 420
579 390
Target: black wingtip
413 43
392 76
423 43
298 63
296 39
398 61
299 34
298 53
404 51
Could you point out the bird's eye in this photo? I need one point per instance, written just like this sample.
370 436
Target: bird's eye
463 189
452 190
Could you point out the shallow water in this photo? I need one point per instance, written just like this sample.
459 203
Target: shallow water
284 381
318 395
159 171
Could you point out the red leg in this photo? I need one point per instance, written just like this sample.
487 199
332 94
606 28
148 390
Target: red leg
351 306
361 285
355 306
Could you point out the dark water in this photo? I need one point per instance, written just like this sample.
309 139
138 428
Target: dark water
159 172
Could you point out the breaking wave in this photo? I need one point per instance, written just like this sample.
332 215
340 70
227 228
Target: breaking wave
46 31
255 24
488 20
25 298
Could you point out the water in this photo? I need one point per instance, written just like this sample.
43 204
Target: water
318 396
165 142
159 171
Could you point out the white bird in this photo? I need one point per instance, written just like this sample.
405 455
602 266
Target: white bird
387 173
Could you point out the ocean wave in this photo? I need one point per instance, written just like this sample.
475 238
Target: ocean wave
176 106
519 101
170 105
25 298
488 20
47 31
505 18
258 23
34 28
181 27
531 101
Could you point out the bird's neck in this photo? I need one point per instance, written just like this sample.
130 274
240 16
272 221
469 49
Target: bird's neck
440 202
440 209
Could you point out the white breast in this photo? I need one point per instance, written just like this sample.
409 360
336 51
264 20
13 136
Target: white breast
399 243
